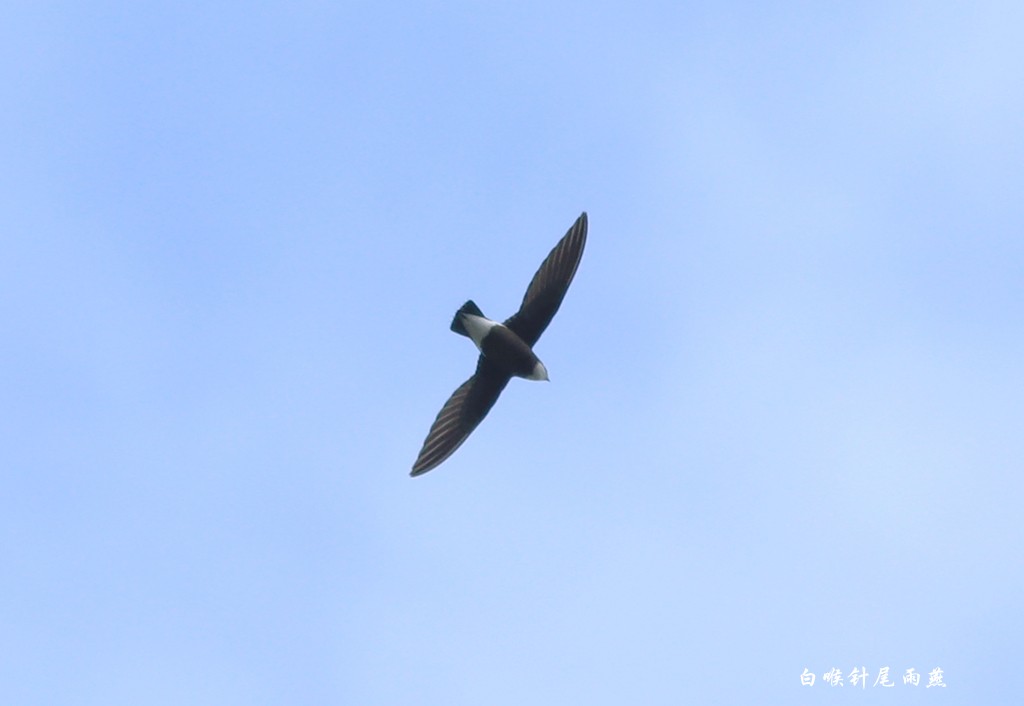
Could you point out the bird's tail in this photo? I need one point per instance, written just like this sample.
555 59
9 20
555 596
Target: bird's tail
469 307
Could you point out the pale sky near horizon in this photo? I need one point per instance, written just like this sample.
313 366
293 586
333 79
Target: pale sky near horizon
783 425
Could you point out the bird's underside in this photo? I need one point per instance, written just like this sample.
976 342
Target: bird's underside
506 349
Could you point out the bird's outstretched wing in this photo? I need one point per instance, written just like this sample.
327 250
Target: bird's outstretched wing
548 287
461 414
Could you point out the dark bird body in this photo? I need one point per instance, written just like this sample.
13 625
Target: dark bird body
506 349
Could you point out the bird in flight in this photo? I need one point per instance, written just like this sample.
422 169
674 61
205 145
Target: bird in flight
506 349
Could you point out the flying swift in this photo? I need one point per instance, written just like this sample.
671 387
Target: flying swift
506 349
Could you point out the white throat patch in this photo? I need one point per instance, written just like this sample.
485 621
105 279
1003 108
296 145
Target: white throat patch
539 372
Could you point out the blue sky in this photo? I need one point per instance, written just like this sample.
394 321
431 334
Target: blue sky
783 424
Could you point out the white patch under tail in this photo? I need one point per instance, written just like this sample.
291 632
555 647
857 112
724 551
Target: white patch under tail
478 327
